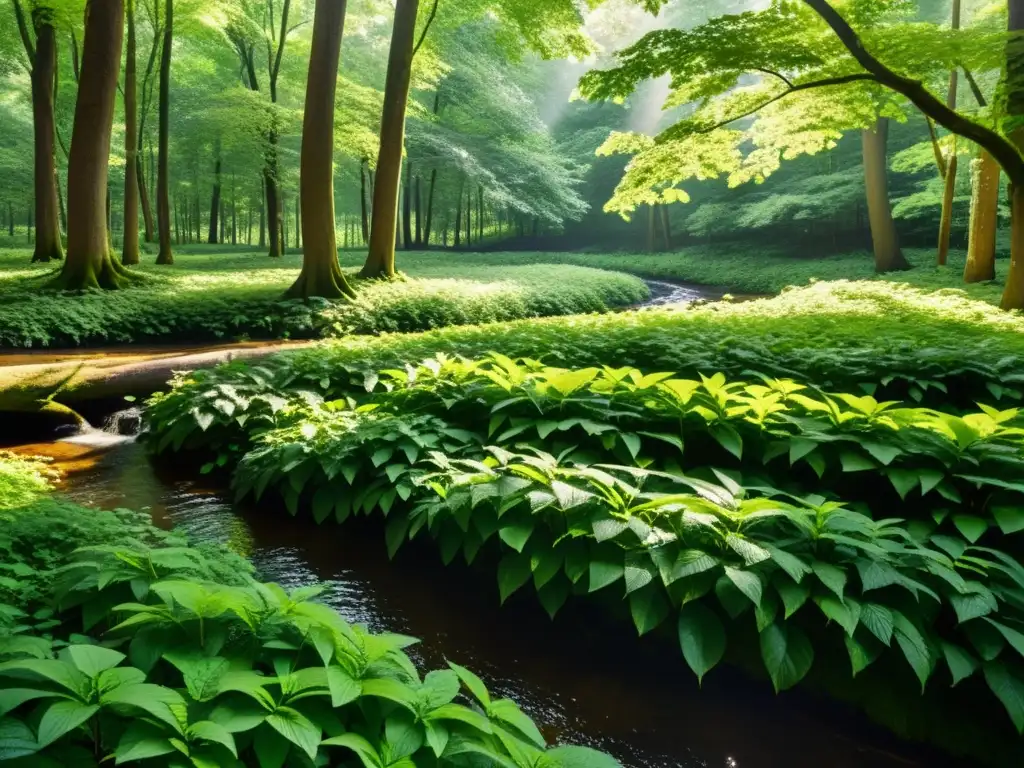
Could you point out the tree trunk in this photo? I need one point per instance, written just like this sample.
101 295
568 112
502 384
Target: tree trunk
480 214
130 244
363 207
419 215
666 227
321 274
275 226
949 175
1013 294
650 228
469 218
888 256
380 262
430 208
284 224
234 213
47 213
163 180
981 243
89 263
407 208
213 235
144 202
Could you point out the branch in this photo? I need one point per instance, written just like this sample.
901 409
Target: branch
1001 149
75 68
779 75
978 95
423 35
841 80
26 38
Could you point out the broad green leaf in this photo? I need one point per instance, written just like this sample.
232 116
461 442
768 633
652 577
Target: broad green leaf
972 528
878 620
62 717
746 582
364 750
787 655
832 577
16 740
92 659
961 663
1009 689
513 571
845 614
473 683
207 730
141 741
1009 518
580 757
701 637
914 647
648 608
1012 636
793 595
605 572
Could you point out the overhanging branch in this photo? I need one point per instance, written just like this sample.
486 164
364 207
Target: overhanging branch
426 28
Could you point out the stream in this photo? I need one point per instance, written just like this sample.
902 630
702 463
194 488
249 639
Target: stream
584 678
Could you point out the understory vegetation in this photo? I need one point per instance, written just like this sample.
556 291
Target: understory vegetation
694 463
150 651
223 296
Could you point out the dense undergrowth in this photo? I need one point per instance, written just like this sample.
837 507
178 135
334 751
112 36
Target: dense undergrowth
703 502
150 651
217 295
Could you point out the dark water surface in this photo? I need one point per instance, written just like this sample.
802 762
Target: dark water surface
584 679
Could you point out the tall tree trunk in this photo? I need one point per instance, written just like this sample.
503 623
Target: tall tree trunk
234 213
480 214
1013 293
430 207
666 227
363 206
981 242
215 197
130 245
163 180
44 69
407 208
321 273
89 263
60 204
651 228
284 223
380 262
949 176
275 226
419 215
458 216
144 201
263 214
888 256
469 218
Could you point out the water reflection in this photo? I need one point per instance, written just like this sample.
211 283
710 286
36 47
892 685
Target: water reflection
584 679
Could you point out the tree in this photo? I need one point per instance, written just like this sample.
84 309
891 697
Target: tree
43 73
321 274
783 72
163 181
89 263
884 238
380 262
130 246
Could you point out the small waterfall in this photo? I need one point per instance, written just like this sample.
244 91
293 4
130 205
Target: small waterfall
126 423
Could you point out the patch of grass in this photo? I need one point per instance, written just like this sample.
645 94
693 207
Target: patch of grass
752 270
222 294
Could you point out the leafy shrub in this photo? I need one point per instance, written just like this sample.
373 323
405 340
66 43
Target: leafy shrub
200 665
22 479
224 297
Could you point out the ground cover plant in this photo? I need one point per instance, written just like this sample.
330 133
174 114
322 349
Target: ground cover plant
150 651
716 496
223 296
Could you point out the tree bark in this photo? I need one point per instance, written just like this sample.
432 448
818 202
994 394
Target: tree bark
419 215
949 173
321 273
981 243
363 206
407 208
884 239
666 227
89 263
163 181
380 261
130 245
263 214
1013 293
213 236
44 70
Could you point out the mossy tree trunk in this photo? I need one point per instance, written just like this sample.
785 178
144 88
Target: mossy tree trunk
380 262
43 58
981 243
130 246
163 180
884 239
89 263
321 273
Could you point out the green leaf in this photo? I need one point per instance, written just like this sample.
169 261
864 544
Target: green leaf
728 438
793 595
62 717
702 638
12 698
516 534
861 655
513 571
473 683
648 608
961 663
1012 636
972 528
364 750
1010 519
507 711
977 602
787 655
605 572
853 461
832 577
846 615
142 741
914 647
162 703
201 674
16 740
1009 689
883 453
580 757
746 582
207 730
632 443
343 687
271 748
878 620
92 659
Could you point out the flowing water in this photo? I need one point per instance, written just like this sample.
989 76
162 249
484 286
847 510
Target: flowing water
583 678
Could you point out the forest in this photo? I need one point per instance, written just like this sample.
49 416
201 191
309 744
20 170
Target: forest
511 383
